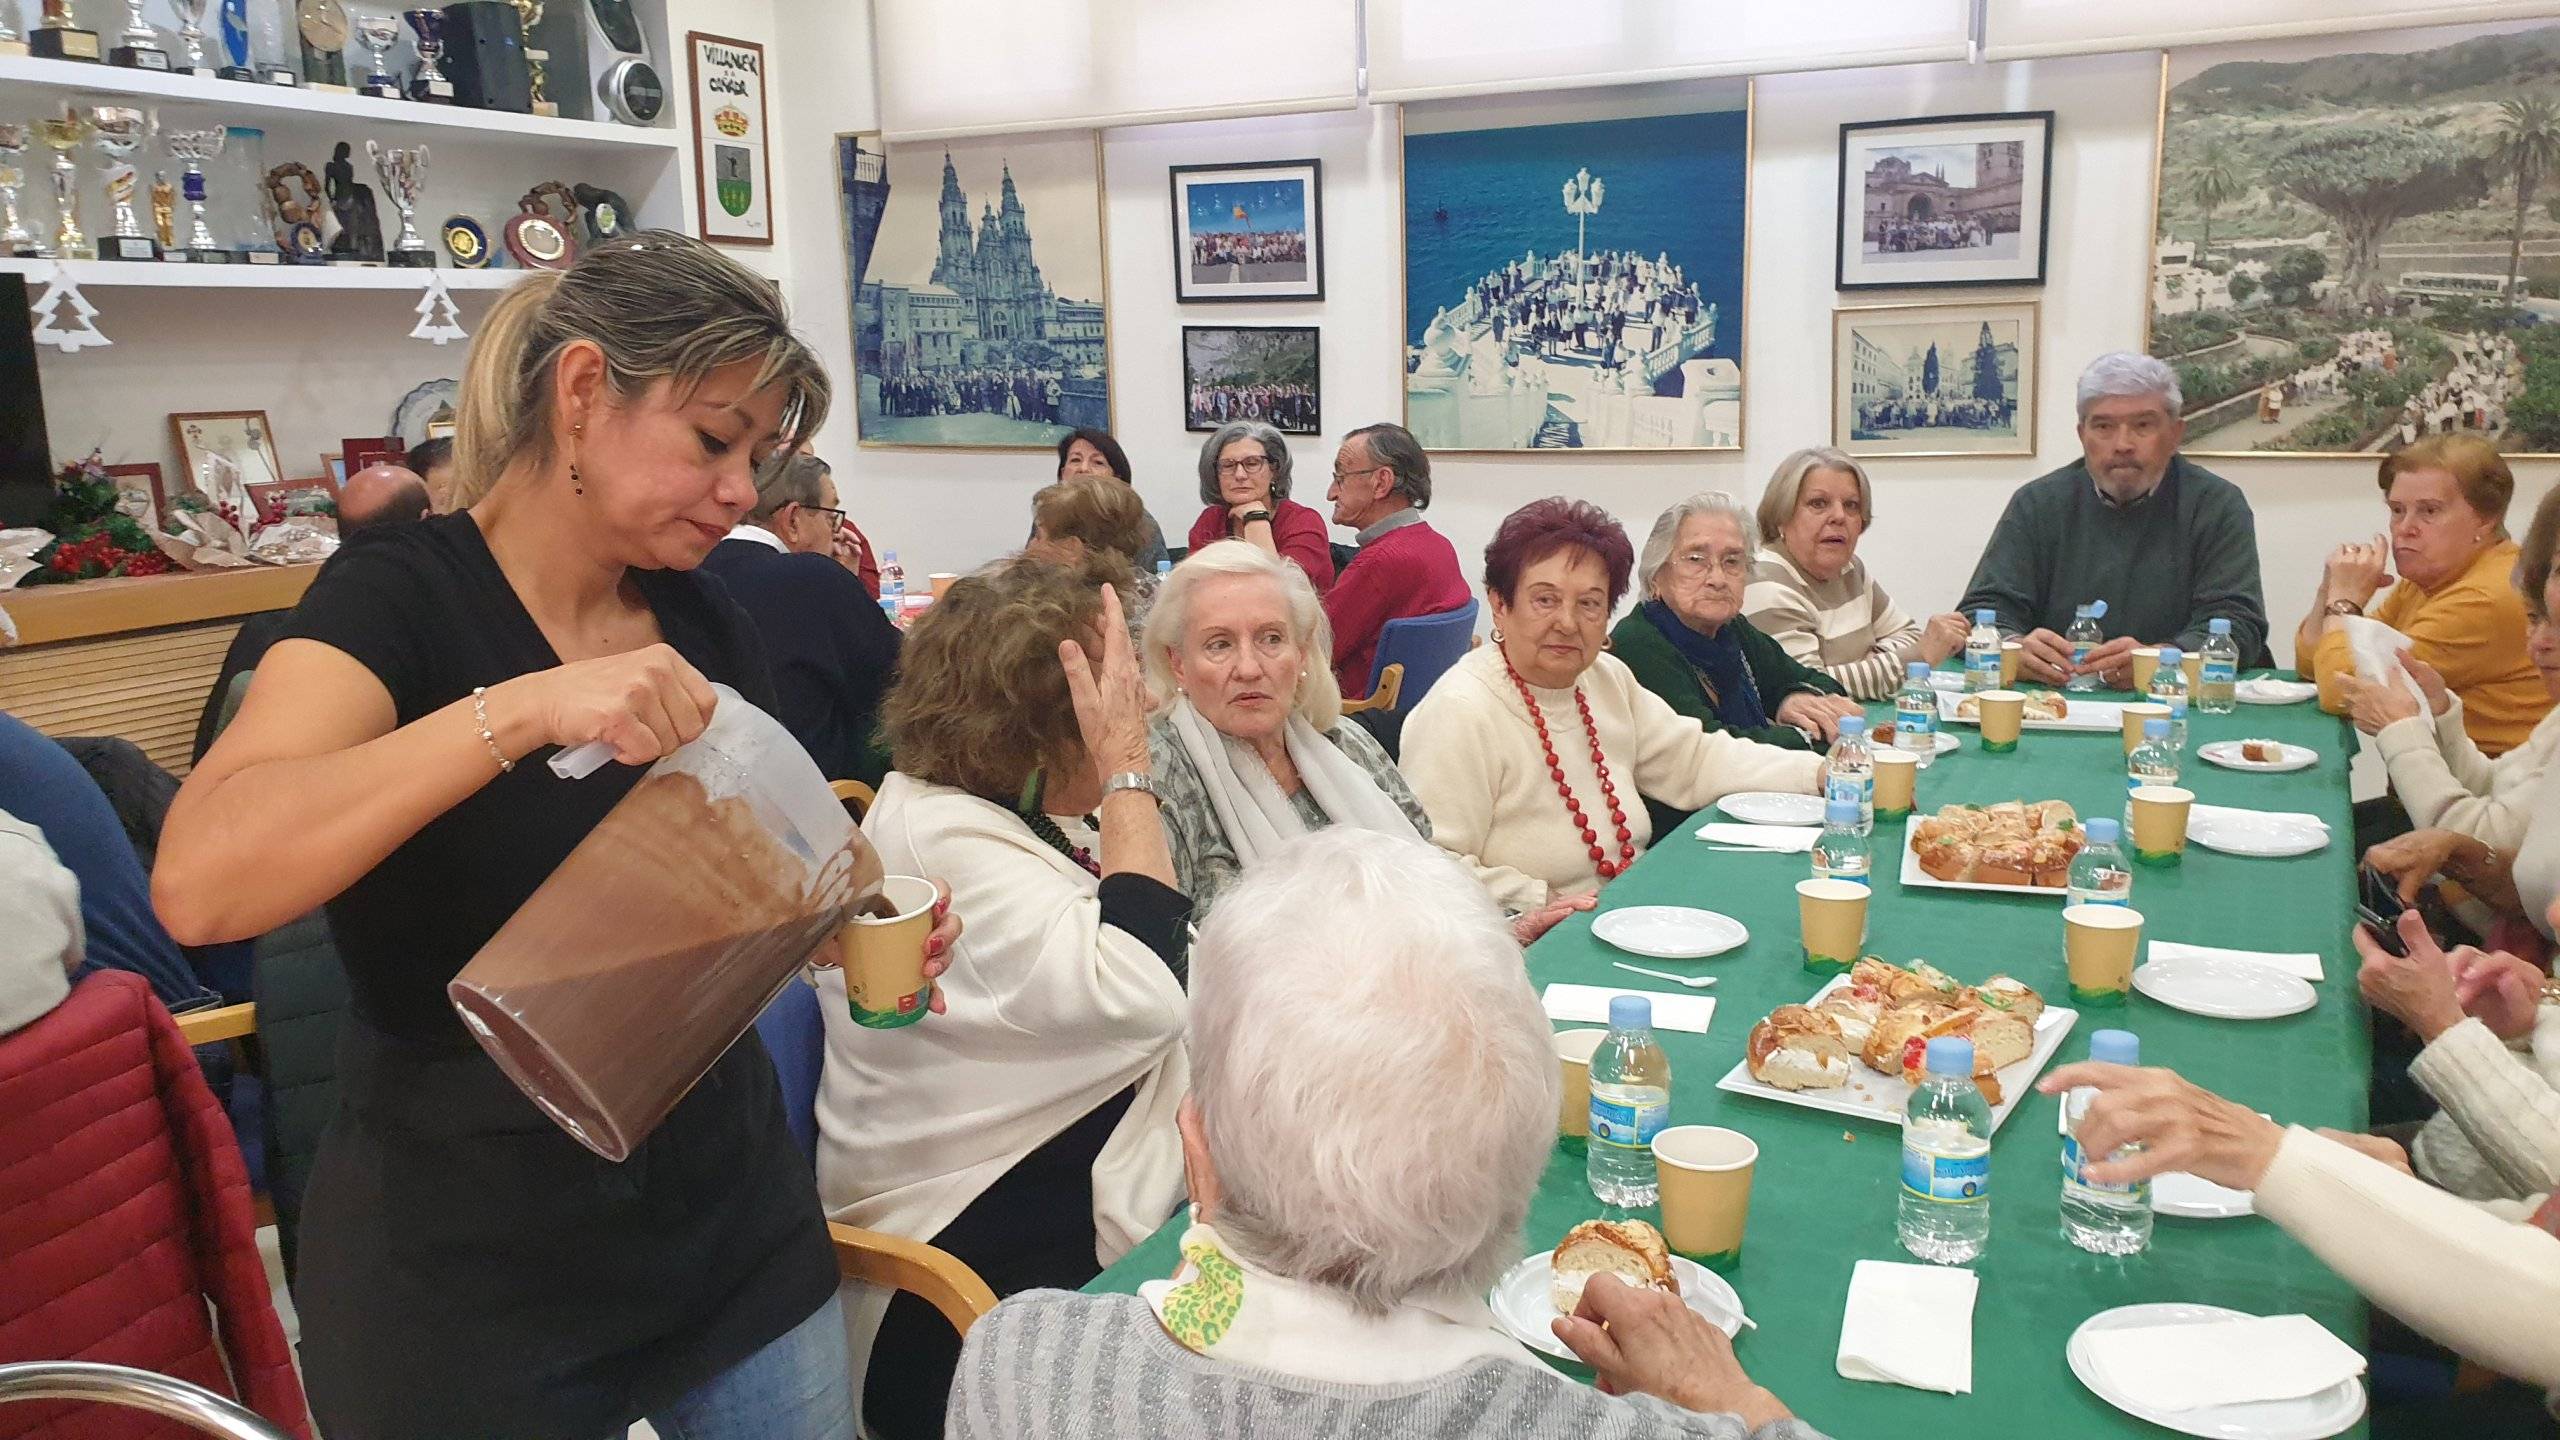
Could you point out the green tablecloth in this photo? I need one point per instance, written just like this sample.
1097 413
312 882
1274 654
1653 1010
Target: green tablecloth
1824 1194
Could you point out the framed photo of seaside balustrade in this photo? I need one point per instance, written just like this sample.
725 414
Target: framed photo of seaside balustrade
1956 379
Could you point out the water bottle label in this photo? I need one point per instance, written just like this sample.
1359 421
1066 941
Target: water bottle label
1858 790
2073 1173
1633 1126
2222 671
1918 719
1948 1179
2080 652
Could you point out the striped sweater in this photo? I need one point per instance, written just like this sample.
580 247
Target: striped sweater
1847 627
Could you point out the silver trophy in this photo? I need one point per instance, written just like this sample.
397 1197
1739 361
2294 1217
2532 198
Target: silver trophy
15 238
63 136
8 26
196 147
138 47
404 171
377 34
119 131
191 34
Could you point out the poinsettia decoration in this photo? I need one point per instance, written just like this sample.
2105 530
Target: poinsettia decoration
94 537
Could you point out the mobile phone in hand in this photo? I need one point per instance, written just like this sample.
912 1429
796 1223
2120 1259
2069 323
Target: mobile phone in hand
2385 932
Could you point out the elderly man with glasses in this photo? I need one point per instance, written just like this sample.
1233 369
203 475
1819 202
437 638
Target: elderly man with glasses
1381 486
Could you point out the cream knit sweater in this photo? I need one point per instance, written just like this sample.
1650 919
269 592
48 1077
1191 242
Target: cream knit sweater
2498 1135
2444 781
1472 756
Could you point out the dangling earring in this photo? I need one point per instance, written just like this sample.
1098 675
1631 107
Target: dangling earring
577 482
1033 785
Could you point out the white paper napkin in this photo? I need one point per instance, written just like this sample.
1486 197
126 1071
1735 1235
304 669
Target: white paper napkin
2242 814
1783 839
2267 690
2305 964
1589 1004
1909 1325
2222 1362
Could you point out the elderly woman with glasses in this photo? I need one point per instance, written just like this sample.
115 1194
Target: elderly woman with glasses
1520 752
1811 593
1321 1293
1244 489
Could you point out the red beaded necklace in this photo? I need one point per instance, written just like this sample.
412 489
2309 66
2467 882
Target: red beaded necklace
1609 869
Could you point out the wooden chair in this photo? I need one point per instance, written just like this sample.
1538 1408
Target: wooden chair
212 1027
1383 697
915 1267
857 797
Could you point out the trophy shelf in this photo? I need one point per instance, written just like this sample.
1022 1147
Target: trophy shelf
239 102
99 274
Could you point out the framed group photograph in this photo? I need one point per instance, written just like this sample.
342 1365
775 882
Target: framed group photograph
241 438
978 297
1945 200
732 167
1248 232
1251 372
1934 379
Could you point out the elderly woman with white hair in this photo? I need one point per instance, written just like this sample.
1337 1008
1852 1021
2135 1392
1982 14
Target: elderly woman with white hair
1812 594
1313 1285
1244 492
2170 546
1251 749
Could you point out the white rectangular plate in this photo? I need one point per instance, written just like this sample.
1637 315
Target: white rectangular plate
1880 1098
1912 874
2090 716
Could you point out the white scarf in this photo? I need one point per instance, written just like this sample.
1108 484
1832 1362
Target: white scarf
1222 1307
1253 813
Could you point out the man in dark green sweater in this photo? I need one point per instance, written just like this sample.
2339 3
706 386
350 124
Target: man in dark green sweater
2168 544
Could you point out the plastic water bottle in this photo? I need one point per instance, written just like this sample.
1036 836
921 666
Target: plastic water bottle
2152 762
2099 875
1841 853
2169 687
2217 688
1853 771
2105 1219
1630 1103
2085 637
1946 1159
1163 568
1915 715
1982 652
893 586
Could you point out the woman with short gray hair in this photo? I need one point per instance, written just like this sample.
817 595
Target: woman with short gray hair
1244 487
1310 1275
1810 592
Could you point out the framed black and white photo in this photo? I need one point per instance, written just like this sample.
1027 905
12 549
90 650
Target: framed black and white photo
1952 200
1248 232
1934 379
1251 372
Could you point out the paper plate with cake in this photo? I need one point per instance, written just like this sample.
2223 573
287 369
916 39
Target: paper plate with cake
2045 710
2016 846
2272 757
1531 1295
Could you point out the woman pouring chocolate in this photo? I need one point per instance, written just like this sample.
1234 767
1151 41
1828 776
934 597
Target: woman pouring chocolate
466 1267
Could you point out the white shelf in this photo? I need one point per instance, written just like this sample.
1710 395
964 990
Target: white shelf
243 102
95 274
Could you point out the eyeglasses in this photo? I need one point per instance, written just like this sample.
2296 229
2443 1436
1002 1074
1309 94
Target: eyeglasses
834 517
1249 465
1698 562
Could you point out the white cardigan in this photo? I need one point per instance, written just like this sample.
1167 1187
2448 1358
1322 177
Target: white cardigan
2444 781
1051 1013
2498 1135
1472 757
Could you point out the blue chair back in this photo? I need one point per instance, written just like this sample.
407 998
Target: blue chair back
795 1034
1426 646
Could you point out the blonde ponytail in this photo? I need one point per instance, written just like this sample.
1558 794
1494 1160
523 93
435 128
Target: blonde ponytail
493 404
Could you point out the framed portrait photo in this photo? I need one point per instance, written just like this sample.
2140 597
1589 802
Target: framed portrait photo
1251 372
1954 200
1934 379
732 166
1248 232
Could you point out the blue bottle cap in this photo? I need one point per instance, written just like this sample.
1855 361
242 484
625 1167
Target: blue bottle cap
2170 656
2155 728
1916 670
1841 811
1630 1012
2115 1047
2218 625
2097 609
1951 1055
2103 831
1853 724
1985 617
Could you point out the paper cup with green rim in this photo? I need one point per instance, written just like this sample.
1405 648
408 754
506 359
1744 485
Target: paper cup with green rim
2134 714
2146 663
1897 776
1573 1057
1705 1175
2160 824
1833 917
2003 714
883 958
2098 946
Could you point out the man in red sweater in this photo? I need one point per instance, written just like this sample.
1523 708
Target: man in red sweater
1381 486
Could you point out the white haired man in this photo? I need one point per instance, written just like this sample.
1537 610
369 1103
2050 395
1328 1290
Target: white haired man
1319 1297
2169 545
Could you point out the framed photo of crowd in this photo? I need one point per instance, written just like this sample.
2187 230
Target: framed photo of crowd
1248 232
1950 200
1934 379
1251 372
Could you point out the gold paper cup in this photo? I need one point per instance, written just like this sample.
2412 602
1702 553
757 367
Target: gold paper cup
2191 665
1705 1173
2011 653
1897 776
942 581
1573 1058
2146 663
2098 946
883 959
1833 917
2160 824
2004 713
2134 715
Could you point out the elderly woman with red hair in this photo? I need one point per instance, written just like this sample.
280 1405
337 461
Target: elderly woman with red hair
1518 753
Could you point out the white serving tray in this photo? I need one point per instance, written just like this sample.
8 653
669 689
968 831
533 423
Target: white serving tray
2088 716
1912 874
1881 1098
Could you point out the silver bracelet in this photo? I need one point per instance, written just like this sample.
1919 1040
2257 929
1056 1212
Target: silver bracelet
480 717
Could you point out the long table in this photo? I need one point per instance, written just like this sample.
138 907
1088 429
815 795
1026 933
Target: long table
1824 1196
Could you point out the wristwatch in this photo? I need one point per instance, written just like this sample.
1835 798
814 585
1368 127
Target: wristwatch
2345 607
1250 516
1129 780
